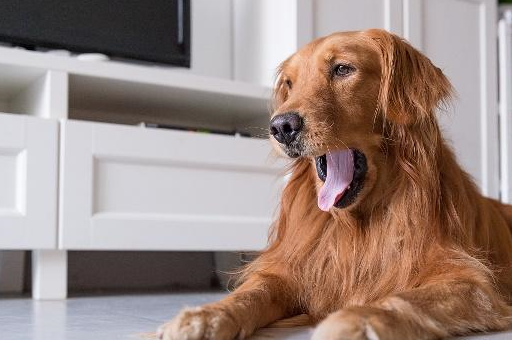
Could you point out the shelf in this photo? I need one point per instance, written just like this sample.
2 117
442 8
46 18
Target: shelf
118 86
129 102
16 78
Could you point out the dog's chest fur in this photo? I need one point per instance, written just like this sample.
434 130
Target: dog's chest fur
348 268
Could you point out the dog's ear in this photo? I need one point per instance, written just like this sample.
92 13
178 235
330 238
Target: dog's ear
411 86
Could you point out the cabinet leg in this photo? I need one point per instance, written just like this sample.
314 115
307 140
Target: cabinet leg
226 262
49 274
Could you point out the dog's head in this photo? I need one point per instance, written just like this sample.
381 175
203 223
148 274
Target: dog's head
350 100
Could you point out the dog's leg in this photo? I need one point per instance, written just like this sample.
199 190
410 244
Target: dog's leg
432 312
256 303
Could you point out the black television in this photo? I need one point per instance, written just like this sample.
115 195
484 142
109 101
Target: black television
147 30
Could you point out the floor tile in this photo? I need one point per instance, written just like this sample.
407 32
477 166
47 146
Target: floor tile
123 317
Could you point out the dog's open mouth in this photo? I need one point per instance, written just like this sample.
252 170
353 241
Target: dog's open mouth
343 172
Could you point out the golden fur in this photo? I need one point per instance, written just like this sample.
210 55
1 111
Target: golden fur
419 255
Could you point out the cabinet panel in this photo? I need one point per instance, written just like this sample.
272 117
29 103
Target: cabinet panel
28 178
136 188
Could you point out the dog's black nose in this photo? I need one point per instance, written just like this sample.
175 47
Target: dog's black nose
285 127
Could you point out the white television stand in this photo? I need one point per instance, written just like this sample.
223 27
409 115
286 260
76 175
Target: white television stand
78 174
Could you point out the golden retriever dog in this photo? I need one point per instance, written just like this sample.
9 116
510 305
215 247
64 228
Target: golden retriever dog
380 233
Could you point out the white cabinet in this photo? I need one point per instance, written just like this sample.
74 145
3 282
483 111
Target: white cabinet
28 182
125 187
147 189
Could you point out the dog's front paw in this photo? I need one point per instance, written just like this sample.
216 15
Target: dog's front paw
358 324
200 323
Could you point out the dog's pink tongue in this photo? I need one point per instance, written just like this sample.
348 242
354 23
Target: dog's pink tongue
340 171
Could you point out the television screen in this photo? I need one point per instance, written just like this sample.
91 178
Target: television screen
147 30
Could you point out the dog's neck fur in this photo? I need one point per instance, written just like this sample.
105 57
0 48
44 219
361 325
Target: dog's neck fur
367 258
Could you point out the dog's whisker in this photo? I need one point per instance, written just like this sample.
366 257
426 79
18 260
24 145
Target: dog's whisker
342 142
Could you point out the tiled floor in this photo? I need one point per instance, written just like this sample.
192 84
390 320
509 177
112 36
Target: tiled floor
115 317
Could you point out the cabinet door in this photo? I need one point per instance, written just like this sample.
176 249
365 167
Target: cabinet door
151 189
28 182
459 36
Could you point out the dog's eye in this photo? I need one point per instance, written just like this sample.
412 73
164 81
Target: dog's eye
343 70
288 83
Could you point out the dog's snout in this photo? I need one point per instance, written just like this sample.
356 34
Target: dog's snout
285 127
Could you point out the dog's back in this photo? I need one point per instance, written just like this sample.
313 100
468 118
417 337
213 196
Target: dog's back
506 210
501 243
